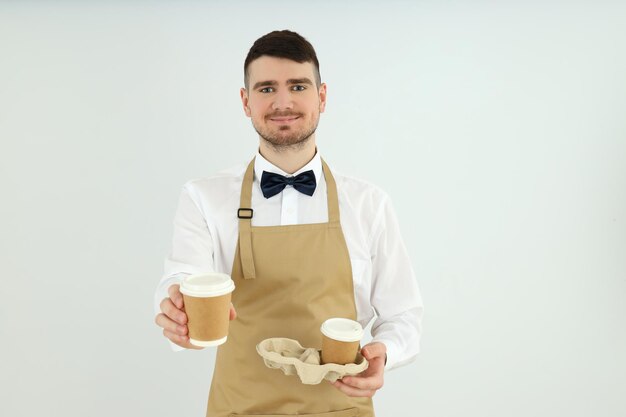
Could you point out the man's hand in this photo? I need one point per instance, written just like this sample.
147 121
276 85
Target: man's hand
369 381
173 319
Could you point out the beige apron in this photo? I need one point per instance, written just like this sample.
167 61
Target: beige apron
289 279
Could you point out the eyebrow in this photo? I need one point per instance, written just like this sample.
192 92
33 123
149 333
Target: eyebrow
289 81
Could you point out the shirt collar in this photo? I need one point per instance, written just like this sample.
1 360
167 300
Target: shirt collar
261 164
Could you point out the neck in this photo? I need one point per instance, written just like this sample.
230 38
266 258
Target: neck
289 158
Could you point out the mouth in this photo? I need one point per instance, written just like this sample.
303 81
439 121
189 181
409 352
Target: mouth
284 120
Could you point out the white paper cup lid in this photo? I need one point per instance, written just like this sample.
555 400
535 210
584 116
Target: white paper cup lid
210 284
343 330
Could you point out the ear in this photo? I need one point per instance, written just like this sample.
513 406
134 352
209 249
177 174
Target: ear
322 95
244 100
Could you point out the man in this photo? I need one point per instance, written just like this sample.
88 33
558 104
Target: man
315 245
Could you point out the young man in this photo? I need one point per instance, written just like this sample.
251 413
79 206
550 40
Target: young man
318 245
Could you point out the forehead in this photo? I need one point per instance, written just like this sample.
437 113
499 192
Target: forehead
269 68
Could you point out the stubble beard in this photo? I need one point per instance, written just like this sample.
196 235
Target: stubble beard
296 140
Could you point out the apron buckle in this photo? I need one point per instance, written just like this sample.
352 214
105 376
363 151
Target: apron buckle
245 216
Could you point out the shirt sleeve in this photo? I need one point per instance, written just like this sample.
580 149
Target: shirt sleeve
395 296
192 248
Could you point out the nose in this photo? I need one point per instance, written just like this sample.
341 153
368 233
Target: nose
282 100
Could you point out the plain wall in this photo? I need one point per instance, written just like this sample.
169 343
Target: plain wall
498 129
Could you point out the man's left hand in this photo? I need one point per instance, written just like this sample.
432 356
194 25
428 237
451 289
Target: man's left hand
369 381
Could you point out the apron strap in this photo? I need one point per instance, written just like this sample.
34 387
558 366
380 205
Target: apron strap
245 213
245 223
331 190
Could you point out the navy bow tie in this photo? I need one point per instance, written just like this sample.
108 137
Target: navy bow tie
272 184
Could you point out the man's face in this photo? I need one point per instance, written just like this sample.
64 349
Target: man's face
282 100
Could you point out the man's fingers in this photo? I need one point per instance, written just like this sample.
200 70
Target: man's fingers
176 296
170 325
367 383
182 341
176 338
171 311
351 391
374 350
233 312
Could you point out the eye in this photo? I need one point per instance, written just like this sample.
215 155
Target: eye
267 90
299 88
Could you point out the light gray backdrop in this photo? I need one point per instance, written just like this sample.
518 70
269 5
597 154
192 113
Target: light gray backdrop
497 128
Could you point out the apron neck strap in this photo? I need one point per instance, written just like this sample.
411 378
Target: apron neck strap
331 190
245 200
245 224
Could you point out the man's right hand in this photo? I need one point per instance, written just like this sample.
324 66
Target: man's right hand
173 319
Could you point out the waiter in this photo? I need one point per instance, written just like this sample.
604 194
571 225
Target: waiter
302 242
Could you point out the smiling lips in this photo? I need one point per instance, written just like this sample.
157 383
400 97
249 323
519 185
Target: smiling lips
284 119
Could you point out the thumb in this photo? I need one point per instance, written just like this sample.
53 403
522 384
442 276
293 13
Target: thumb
374 350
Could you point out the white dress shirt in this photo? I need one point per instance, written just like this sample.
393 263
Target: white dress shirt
206 234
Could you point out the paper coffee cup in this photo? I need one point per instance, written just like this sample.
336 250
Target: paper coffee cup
207 304
340 340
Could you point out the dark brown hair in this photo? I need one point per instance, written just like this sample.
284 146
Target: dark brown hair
282 44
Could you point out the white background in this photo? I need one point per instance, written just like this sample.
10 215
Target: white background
497 128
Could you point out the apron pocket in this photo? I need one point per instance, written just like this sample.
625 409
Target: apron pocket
350 412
